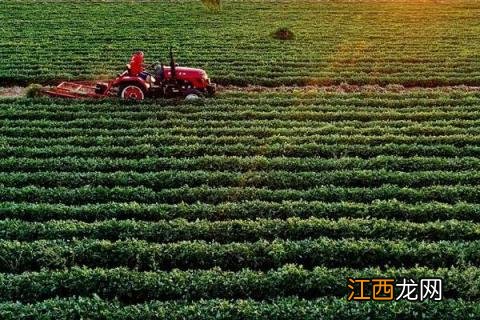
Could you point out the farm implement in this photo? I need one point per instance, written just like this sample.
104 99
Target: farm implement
137 84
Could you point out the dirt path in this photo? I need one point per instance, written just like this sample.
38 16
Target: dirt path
12 92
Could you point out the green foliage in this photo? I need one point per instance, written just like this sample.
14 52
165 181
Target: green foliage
261 179
251 205
388 209
290 280
360 43
239 230
235 256
100 194
280 309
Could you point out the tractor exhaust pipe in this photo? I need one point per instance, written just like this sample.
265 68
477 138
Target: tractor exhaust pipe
173 72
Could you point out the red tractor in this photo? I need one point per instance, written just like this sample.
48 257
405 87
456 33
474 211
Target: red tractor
136 84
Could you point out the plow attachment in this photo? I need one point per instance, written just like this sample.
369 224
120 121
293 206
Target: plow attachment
74 90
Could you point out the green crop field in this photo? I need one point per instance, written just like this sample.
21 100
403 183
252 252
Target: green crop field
353 151
413 43
247 206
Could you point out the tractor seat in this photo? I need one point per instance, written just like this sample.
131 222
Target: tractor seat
147 77
144 75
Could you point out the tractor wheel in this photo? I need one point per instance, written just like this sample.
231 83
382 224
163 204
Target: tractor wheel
192 94
131 92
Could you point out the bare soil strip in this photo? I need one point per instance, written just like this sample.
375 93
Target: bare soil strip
12 92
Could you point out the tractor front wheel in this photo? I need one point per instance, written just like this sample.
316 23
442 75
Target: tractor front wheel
192 94
131 92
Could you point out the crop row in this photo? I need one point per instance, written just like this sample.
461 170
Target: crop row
292 228
260 132
158 140
133 286
124 124
261 179
224 104
279 309
87 194
239 164
220 109
240 149
260 255
299 115
281 98
387 209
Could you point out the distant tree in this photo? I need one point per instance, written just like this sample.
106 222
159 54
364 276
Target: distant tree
283 33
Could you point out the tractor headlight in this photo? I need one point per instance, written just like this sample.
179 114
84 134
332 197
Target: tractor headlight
205 78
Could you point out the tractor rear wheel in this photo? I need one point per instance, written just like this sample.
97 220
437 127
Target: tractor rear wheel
131 92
